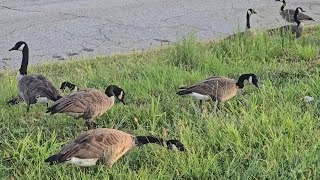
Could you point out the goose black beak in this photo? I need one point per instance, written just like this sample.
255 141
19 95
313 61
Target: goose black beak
11 49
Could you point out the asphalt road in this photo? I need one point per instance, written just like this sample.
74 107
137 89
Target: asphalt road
68 29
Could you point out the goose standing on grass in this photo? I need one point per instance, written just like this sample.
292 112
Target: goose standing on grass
288 14
217 88
296 29
87 103
73 88
106 146
248 25
33 88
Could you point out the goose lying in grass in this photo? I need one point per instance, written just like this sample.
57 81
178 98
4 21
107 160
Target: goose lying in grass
105 145
32 87
88 103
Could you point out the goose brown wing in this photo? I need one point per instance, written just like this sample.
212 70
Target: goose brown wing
97 143
79 101
214 86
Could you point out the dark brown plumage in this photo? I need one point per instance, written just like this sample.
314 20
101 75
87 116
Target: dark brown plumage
105 145
33 88
87 103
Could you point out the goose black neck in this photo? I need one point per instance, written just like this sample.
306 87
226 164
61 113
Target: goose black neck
25 60
296 17
241 80
109 91
283 5
142 140
248 20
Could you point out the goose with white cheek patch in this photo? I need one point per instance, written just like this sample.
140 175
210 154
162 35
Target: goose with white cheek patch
296 29
248 26
105 146
33 87
288 14
217 88
88 103
73 88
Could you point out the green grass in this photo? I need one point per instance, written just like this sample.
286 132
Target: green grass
269 133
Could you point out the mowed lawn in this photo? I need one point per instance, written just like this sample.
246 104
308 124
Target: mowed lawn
268 133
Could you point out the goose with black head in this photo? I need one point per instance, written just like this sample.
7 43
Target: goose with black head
105 146
296 29
248 26
88 103
288 14
217 88
34 86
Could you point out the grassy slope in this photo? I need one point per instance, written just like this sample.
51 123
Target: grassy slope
266 133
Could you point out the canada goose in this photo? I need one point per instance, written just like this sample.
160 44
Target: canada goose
288 14
32 86
69 85
106 146
296 29
218 88
87 103
249 13
248 26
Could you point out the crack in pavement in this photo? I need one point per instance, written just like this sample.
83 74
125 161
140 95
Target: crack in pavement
92 26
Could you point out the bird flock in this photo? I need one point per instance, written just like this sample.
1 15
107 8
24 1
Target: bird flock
105 145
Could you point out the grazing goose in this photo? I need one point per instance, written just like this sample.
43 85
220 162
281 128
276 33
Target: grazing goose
87 103
288 14
248 26
69 85
106 146
32 87
296 29
218 88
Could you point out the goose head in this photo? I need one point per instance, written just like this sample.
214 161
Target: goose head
252 78
69 85
299 10
175 145
251 11
114 90
19 46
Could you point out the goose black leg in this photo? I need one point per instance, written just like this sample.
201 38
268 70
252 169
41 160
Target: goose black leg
200 105
28 108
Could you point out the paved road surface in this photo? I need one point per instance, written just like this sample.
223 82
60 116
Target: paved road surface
67 29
